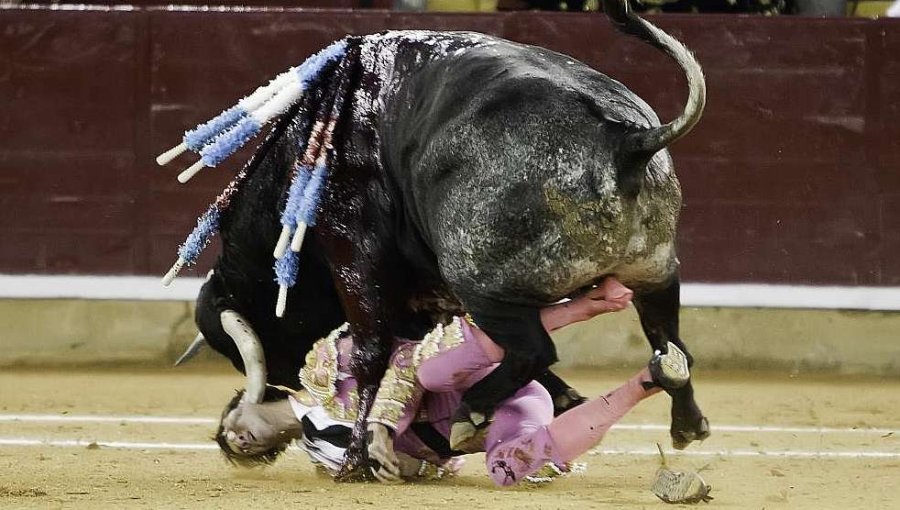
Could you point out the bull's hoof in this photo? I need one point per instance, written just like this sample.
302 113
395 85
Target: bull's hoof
468 431
355 467
353 473
682 438
670 371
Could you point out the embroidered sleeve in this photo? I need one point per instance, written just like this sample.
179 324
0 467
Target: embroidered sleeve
320 376
399 395
440 339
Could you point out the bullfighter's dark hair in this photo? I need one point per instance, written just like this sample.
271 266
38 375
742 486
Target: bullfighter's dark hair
265 458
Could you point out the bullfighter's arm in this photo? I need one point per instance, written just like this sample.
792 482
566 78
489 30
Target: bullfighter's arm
399 394
609 296
396 404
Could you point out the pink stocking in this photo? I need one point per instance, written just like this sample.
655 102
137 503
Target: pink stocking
580 429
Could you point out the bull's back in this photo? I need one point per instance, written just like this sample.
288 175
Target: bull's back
509 155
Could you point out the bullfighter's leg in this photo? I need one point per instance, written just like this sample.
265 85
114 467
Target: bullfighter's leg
658 310
529 351
525 438
456 368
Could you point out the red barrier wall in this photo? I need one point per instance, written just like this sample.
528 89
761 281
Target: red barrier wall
789 178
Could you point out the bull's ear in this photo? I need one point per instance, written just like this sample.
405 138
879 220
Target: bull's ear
192 350
248 344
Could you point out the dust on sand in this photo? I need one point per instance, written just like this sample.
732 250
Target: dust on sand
103 477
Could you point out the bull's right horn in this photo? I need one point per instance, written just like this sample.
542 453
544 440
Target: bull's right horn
251 350
192 349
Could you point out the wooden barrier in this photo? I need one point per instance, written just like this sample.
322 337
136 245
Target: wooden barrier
791 176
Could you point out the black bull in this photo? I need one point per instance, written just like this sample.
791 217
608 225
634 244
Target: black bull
477 174
241 280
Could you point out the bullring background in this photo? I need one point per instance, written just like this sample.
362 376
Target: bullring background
789 240
789 234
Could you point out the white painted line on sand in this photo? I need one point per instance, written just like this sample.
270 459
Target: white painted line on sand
767 428
797 454
94 418
126 445
190 420
741 295
793 454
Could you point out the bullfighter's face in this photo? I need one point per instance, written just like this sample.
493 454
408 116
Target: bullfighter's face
248 431
247 434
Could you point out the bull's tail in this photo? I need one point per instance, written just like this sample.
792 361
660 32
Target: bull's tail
647 141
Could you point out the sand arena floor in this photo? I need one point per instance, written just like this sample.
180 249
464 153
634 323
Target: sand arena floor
131 439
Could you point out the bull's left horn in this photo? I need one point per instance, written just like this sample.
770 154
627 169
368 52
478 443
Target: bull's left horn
192 349
251 350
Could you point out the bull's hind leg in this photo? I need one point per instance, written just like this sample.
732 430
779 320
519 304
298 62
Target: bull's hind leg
529 351
658 310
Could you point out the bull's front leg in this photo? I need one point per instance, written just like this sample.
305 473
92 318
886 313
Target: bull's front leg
362 280
370 356
529 352
658 310
371 352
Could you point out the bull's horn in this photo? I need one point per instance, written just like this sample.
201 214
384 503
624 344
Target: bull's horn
251 350
192 349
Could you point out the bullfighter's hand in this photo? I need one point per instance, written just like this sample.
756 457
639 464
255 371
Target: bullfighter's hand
384 462
609 296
